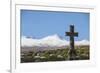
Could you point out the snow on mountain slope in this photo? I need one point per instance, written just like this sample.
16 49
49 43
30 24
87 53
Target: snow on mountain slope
83 42
52 41
29 42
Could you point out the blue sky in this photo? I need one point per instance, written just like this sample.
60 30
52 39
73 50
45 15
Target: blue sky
40 24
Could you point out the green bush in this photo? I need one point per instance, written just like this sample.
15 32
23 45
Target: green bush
83 53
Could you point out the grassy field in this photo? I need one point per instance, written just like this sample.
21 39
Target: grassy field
54 55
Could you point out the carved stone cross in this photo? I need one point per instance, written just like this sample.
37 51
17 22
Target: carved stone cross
72 34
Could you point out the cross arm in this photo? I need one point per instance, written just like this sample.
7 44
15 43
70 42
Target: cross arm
72 34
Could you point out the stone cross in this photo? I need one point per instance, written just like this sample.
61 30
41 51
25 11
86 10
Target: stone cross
72 51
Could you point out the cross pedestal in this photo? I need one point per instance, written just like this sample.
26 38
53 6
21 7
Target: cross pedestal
72 51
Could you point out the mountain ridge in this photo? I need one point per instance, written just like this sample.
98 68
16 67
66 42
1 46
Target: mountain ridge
52 40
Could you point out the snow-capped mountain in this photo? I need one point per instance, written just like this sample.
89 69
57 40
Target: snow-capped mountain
82 42
53 40
49 41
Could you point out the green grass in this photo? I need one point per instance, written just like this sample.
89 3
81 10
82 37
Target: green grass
55 55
